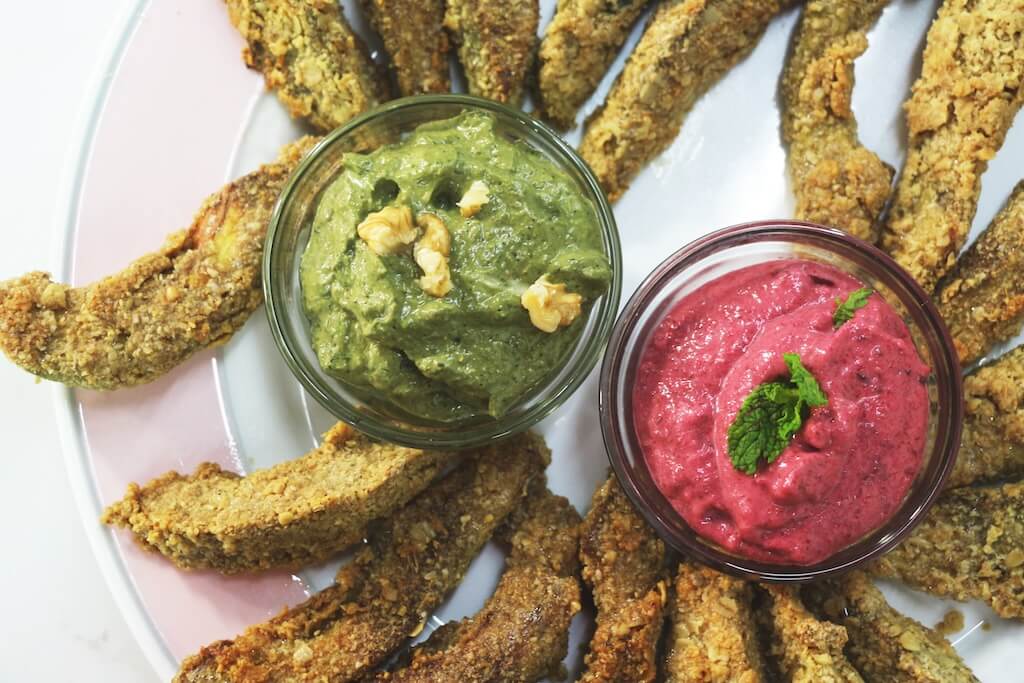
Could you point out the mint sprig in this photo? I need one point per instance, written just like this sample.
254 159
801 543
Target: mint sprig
771 414
854 302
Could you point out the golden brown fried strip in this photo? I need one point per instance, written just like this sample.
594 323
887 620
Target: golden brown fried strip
390 587
624 565
580 43
970 546
295 513
413 34
982 298
958 114
883 644
134 326
310 57
687 47
497 40
713 635
836 180
803 649
521 634
992 447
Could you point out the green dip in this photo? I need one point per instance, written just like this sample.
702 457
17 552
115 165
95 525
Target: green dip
473 351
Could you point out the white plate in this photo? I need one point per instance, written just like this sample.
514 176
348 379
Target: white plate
176 115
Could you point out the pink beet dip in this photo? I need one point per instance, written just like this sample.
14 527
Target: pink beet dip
849 467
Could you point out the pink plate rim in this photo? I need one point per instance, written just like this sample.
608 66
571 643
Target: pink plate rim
184 152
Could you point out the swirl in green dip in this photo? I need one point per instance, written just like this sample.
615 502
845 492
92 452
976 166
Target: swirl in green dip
474 350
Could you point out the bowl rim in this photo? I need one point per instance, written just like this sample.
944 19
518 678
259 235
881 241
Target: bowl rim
617 357
586 353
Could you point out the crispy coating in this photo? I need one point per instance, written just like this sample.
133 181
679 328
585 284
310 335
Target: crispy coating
713 635
497 40
885 645
803 649
970 546
687 46
413 34
624 565
958 114
521 634
992 446
579 45
132 327
309 55
295 513
390 587
836 180
982 298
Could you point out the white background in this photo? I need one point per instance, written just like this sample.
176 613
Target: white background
59 622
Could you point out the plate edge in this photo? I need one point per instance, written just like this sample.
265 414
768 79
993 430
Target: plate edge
73 448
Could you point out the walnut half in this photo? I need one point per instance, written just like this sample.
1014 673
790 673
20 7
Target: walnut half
550 306
388 231
474 199
431 254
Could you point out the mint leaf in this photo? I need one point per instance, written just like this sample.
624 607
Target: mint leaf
761 429
807 386
771 415
846 309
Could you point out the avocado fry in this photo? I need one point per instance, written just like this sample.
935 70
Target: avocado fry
969 547
992 446
522 632
132 327
713 637
958 114
580 43
391 586
836 180
982 298
624 565
413 34
309 55
885 645
496 42
295 513
687 47
801 648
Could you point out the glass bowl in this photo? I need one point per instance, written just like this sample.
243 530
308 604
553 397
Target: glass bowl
731 249
288 234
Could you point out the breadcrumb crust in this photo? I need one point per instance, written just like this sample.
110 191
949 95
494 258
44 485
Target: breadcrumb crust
624 565
579 45
413 34
885 645
992 446
497 41
687 46
391 586
836 180
969 547
296 513
309 55
134 326
982 298
522 632
958 114
713 638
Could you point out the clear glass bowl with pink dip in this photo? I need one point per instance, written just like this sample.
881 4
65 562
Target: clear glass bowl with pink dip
887 481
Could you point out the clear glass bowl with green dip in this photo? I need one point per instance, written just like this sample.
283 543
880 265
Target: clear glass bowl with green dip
363 331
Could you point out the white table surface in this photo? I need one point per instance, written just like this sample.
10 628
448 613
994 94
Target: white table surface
60 622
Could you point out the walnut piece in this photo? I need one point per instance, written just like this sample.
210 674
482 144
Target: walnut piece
474 199
388 231
431 254
550 306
